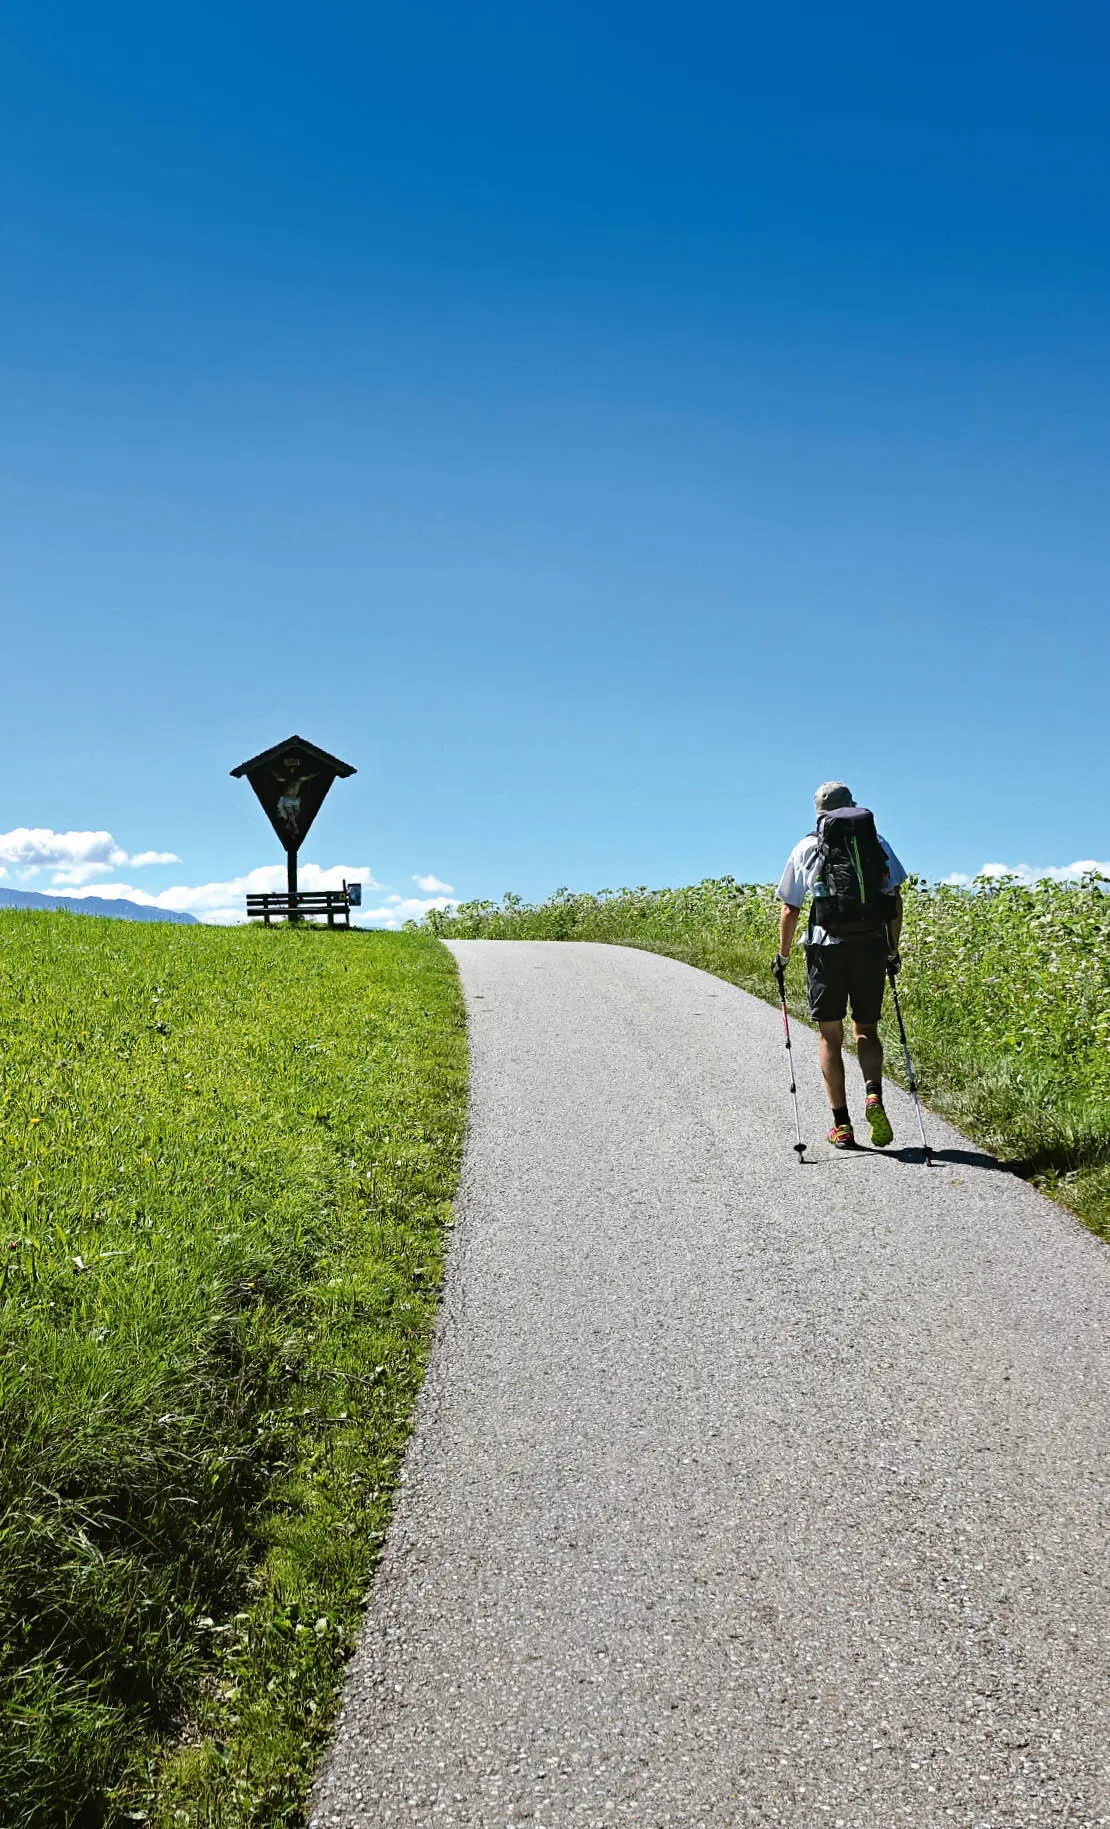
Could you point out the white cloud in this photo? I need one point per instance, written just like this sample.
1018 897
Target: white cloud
397 909
79 873
36 847
1025 873
431 885
74 857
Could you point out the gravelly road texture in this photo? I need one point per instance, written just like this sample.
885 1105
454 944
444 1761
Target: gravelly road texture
742 1492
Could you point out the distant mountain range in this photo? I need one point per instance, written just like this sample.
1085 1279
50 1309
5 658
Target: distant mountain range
92 905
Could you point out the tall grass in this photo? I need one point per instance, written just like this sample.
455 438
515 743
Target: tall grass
227 1162
1006 994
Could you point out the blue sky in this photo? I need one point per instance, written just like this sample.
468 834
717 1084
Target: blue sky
597 424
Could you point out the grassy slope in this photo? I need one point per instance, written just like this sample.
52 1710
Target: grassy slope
227 1165
1006 994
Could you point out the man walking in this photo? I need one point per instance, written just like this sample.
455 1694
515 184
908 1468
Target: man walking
854 923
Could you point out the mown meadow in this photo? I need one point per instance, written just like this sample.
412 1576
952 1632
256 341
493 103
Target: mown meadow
1005 991
228 1162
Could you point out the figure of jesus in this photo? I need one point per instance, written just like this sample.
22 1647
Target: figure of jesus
289 801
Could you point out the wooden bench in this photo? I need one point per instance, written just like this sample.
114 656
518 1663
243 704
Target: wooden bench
283 906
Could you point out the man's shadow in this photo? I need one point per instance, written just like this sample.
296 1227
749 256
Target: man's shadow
1024 1168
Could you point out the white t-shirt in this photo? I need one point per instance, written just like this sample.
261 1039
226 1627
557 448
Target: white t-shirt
801 873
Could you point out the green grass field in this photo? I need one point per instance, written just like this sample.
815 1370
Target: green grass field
228 1161
1006 995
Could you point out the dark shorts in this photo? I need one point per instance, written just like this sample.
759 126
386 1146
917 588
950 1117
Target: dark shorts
853 971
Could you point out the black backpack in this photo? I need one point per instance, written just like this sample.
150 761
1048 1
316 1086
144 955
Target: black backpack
849 898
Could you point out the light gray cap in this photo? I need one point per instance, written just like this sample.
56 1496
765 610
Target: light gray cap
832 794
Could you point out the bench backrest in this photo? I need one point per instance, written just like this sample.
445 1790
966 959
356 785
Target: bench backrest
308 898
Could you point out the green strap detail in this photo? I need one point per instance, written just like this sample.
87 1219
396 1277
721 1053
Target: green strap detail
859 870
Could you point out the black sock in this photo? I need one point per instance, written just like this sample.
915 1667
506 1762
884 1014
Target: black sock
874 1088
840 1115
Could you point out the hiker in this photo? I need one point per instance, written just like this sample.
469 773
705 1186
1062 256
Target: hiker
855 920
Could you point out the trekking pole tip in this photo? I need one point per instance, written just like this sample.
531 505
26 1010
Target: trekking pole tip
799 1151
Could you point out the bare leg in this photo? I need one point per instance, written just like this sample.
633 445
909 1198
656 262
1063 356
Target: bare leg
832 1062
869 1049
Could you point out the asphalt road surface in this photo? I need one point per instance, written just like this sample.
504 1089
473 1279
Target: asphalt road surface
742 1492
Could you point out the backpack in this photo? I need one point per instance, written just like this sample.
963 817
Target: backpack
849 899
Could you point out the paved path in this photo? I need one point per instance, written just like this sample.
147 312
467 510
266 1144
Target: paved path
742 1493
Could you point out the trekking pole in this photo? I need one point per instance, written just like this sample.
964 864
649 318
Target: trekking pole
780 979
892 974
